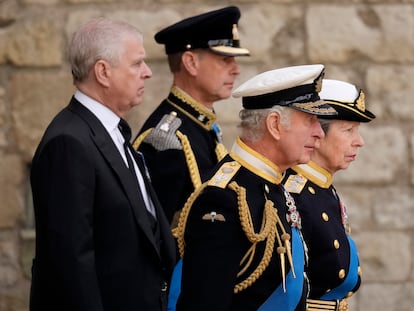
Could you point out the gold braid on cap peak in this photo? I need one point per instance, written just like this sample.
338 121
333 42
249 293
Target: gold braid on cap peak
360 102
318 81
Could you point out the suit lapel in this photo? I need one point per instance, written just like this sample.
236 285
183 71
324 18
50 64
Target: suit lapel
109 151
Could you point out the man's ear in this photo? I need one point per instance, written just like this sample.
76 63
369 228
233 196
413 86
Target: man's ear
190 61
102 71
273 125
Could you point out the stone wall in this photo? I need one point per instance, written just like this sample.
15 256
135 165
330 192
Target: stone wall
368 42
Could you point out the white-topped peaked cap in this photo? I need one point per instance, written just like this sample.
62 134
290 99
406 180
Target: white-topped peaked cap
296 87
346 99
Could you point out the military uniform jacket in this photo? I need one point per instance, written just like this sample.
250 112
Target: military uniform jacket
216 230
181 152
324 221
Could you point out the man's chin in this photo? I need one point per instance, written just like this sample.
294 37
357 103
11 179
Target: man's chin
304 159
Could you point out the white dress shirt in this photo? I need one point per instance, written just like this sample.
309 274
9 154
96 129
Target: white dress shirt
110 121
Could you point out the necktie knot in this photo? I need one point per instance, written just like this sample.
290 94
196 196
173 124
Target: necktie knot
125 130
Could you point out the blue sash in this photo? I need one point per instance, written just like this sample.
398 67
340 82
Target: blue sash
175 286
351 279
287 301
279 300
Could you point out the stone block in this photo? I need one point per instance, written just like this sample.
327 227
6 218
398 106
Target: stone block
3 110
393 208
9 260
36 41
380 160
390 91
387 296
345 33
273 34
385 255
8 12
12 175
36 97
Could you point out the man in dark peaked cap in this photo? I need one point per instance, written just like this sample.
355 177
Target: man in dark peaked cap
181 140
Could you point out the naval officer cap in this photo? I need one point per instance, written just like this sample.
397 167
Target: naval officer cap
215 30
296 87
346 99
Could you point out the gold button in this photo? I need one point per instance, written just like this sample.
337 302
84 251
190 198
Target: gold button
325 216
336 244
359 271
349 294
311 190
341 273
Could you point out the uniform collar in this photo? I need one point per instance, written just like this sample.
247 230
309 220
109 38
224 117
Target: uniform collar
314 173
191 108
255 162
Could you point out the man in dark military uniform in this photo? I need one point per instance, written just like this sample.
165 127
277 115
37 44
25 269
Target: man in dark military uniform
239 233
333 270
181 140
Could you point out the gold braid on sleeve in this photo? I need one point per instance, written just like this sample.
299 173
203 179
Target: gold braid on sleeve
190 159
182 222
268 232
194 175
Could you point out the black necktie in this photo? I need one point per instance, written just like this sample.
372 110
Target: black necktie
126 133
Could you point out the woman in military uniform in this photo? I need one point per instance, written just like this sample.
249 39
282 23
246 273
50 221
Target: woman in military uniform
333 269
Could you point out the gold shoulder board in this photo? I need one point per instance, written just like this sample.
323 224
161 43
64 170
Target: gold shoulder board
295 183
224 174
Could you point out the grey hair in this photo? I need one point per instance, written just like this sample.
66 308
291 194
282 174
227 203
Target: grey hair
98 39
252 120
325 123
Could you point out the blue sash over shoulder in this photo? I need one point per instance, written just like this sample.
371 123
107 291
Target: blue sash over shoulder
288 301
279 300
175 286
351 279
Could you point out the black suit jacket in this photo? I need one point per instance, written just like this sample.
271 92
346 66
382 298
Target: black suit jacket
95 249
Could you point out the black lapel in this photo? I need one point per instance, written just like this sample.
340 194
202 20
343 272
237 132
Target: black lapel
109 151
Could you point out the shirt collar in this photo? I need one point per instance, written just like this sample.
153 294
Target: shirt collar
107 117
255 162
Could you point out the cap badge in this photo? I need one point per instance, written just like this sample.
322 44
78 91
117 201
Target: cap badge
235 32
360 103
318 82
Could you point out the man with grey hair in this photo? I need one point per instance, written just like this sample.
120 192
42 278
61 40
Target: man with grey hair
102 239
239 233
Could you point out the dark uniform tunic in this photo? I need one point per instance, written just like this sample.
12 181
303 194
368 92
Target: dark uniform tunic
214 231
182 149
324 223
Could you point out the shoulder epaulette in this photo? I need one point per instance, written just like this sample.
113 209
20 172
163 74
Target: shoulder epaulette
224 174
163 136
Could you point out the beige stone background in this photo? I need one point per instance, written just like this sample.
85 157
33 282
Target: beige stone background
367 42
